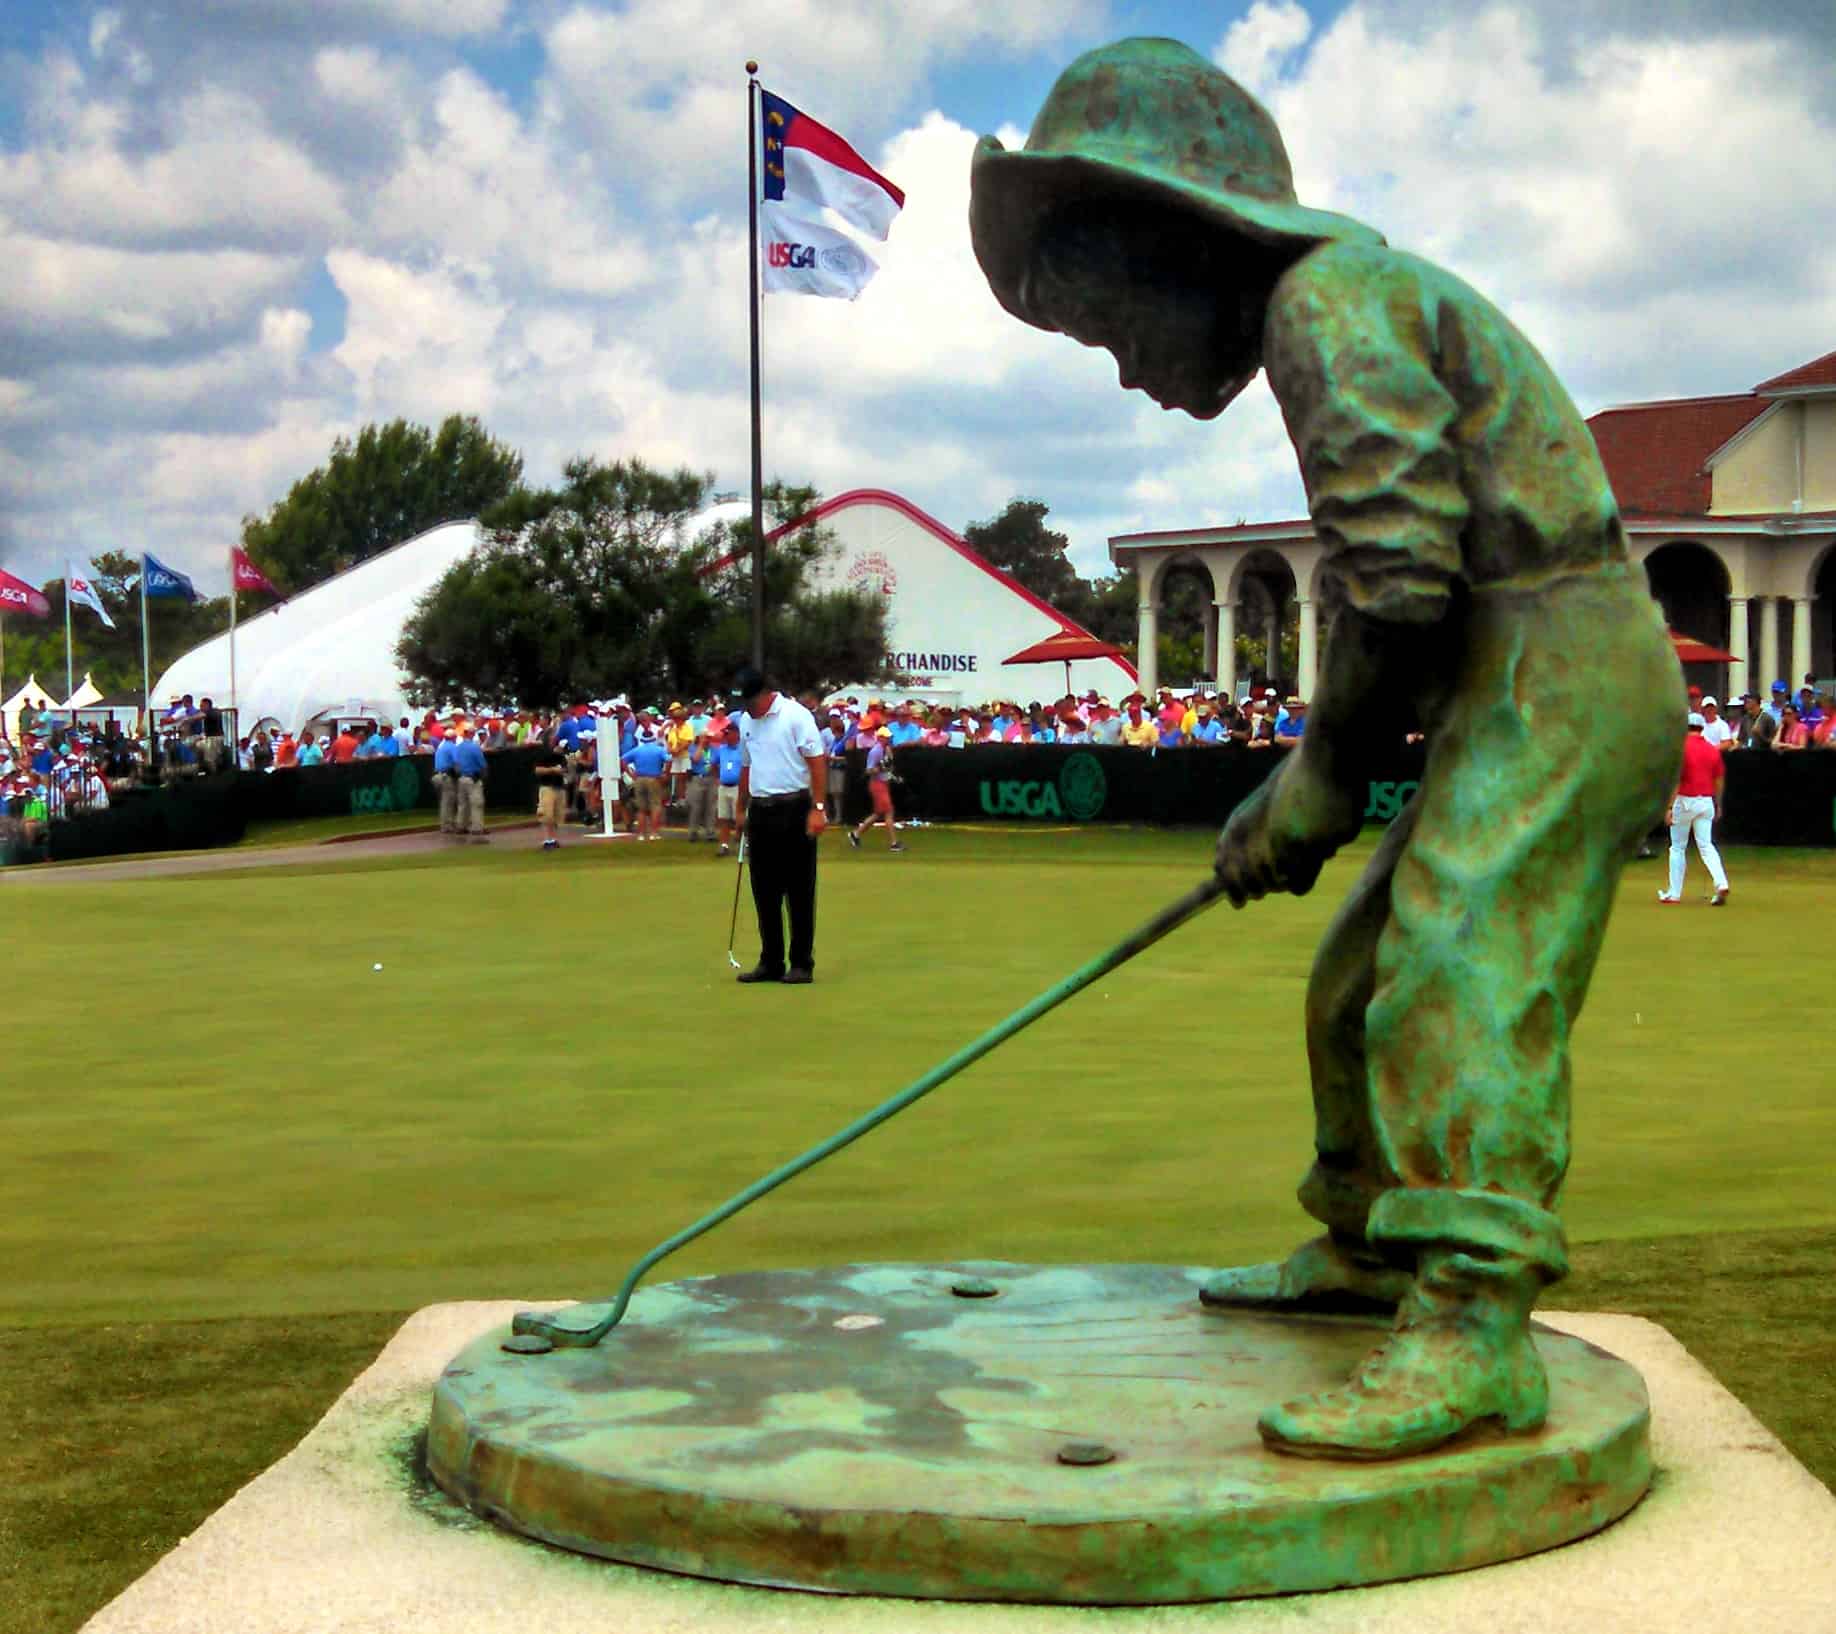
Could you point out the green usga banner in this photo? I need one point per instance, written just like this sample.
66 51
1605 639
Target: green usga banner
400 791
1075 783
1078 791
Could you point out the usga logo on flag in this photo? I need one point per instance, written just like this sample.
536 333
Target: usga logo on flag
809 169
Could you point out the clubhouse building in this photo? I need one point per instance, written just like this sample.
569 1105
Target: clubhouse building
1730 503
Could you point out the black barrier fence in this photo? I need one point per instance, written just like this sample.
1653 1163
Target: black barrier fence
1770 799
199 812
1049 783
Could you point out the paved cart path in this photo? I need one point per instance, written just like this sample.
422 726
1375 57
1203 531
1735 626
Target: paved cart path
233 857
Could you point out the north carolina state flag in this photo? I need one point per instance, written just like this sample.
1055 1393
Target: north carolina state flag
807 164
245 575
16 596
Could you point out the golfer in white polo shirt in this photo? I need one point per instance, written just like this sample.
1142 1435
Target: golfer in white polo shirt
782 760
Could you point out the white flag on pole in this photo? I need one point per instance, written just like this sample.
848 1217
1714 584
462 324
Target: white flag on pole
82 593
806 258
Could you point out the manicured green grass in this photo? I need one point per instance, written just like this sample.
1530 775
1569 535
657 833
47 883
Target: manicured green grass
230 1115
230 1112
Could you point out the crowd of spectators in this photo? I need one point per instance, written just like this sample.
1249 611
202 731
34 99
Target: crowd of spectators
1784 722
686 756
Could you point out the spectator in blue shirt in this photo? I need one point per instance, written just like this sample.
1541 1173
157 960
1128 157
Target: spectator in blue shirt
573 723
904 728
727 763
648 759
446 783
310 753
1292 724
469 768
701 786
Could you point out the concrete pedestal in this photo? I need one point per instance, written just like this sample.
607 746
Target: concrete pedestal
344 1536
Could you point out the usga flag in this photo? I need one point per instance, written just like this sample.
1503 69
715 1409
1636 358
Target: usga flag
807 164
16 596
79 590
806 258
159 580
245 575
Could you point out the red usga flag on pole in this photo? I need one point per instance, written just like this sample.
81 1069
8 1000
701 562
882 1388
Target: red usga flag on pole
245 575
16 596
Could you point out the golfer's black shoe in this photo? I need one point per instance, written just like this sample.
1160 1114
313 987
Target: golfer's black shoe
797 977
761 973
854 839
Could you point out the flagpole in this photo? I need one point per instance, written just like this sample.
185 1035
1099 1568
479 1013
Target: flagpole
233 599
758 460
69 666
146 666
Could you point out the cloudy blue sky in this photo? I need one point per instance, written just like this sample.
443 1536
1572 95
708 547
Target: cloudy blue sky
232 229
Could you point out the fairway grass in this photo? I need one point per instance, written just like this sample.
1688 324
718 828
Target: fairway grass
230 1112
237 1153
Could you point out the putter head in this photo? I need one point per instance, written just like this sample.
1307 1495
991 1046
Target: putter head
733 961
548 1326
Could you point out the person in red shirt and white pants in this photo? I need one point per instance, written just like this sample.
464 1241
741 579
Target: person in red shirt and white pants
1697 805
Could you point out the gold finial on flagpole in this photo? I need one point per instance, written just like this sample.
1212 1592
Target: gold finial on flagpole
751 66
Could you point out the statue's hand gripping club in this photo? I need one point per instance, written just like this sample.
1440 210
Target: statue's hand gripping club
1280 837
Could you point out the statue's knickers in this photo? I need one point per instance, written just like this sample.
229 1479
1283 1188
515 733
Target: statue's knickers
1441 1002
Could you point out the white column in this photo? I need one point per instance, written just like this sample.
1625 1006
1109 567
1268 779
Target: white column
1226 670
1769 646
1800 642
1740 672
1147 655
1211 642
1307 658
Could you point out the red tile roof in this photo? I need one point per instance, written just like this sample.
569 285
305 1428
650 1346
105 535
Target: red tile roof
1656 454
1820 372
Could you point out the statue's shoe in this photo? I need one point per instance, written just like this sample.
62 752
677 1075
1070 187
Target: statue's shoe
1322 1275
1449 1366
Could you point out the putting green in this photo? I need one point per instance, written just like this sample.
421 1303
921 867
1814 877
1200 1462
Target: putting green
229 1111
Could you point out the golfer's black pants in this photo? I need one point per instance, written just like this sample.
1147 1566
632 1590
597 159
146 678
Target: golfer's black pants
782 856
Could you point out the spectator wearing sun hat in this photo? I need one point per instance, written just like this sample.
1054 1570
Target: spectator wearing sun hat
1291 723
1139 730
679 739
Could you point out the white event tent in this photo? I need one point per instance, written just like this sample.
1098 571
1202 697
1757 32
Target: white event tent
85 695
330 650
31 693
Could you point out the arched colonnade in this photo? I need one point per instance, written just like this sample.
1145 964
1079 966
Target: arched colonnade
1765 591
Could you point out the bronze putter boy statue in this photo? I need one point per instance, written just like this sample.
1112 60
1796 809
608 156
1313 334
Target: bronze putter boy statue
1468 520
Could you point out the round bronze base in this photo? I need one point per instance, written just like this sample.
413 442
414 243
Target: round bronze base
1067 1434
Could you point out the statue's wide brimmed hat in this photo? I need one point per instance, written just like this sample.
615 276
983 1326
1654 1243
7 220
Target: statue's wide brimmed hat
1148 121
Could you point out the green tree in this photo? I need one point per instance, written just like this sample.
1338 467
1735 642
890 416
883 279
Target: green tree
815 639
596 587
392 482
1018 542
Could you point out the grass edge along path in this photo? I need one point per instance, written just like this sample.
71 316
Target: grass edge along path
97 1484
